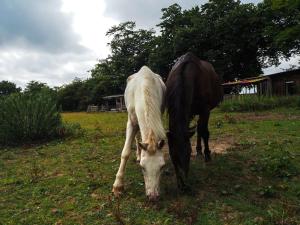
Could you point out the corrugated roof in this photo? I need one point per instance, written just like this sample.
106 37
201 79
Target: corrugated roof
246 81
112 96
252 80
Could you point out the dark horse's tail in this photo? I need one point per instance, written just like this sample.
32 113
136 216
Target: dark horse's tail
179 96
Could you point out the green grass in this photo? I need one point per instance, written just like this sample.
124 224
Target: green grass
252 103
69 181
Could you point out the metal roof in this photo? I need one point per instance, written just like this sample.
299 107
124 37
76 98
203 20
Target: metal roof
112 96
251 80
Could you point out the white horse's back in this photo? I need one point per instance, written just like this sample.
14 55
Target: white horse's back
144 99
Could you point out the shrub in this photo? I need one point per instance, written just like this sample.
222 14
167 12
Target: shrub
26 118
256 103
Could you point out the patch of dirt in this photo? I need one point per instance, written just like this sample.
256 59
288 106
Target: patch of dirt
217 146
221 146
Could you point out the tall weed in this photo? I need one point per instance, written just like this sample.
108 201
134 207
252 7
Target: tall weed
26 118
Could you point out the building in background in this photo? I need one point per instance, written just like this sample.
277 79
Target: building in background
277 84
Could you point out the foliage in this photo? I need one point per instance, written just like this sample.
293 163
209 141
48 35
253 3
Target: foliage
238 39
34 87
282 25
7 88
130 49
26 118
226 33
248 103
76 95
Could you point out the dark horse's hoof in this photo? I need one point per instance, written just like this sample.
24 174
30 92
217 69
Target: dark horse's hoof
184 187
207 158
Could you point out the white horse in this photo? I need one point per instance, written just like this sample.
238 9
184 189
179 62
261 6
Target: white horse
144 99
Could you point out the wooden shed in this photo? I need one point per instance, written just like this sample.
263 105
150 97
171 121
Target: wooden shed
260 85
285 83
113 103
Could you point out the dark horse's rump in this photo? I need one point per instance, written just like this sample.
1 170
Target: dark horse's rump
193 88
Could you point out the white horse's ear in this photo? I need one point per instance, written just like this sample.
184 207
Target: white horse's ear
143 146
160 144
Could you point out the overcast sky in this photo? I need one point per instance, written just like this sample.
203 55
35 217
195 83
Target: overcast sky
54 41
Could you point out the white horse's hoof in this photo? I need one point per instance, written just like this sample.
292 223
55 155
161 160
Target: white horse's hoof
118 190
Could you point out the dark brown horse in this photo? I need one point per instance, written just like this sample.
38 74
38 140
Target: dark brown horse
193 88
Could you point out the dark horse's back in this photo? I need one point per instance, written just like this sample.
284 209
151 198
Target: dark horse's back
193 88
198 77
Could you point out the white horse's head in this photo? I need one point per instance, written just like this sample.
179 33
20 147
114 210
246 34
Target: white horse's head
152 163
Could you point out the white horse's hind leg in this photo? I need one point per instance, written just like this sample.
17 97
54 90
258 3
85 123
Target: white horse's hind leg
118 185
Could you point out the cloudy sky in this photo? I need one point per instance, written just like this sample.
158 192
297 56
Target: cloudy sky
54 41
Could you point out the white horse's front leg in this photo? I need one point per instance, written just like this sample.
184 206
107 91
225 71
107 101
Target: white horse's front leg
118 185
138 150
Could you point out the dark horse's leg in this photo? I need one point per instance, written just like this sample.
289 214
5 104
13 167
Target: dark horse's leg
202 130
199 146
180 180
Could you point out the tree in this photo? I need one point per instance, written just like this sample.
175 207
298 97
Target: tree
226 33
7 88
130 51
75 96
282 26
163 55
238 39
35 86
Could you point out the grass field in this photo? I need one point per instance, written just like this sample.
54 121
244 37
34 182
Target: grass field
257 180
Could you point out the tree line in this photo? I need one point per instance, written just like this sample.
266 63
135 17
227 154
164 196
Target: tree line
238 39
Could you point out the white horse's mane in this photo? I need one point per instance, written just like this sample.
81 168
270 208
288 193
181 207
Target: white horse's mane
144 96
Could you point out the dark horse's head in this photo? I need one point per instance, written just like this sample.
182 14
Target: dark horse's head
180 150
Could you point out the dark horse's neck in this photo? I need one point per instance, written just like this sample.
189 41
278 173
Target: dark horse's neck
180 98
180 89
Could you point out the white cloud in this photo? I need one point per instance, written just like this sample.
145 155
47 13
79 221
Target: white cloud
285 64
147 13
21 66
90 23
53 41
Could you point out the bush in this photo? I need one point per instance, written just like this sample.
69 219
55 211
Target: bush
26 118
251 103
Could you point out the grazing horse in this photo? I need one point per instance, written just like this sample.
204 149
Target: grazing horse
193 88
144 99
